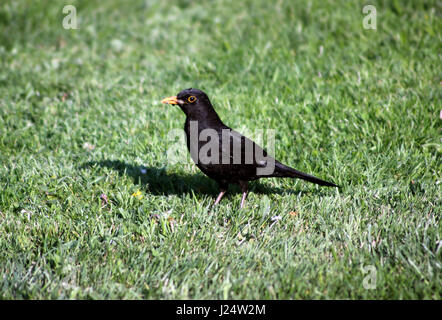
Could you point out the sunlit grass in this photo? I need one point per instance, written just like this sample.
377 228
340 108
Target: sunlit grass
90 207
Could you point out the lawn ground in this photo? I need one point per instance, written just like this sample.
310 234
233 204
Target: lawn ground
91 206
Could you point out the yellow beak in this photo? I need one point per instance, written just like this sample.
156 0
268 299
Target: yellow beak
170 100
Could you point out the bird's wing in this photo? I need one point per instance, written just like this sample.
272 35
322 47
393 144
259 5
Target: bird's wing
249 152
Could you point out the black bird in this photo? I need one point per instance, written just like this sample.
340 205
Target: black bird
224 154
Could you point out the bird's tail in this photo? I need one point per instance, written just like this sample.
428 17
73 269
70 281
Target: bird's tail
282 170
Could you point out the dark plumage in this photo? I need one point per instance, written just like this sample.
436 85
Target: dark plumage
230 157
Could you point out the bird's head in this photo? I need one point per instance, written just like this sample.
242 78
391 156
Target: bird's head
193 102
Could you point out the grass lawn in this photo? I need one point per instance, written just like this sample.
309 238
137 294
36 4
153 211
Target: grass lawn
91 206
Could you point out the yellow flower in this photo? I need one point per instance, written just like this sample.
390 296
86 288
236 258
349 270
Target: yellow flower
138 195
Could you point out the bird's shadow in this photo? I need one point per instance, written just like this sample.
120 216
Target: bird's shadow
158 181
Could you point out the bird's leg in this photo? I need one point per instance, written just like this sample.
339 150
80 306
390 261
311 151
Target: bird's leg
244 187
223 189
218 199
243 199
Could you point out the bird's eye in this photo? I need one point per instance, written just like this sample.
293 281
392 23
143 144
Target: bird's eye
191 99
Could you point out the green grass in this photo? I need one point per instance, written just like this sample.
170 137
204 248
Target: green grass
358 107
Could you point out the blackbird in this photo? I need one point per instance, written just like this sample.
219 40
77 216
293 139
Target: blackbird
224 154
